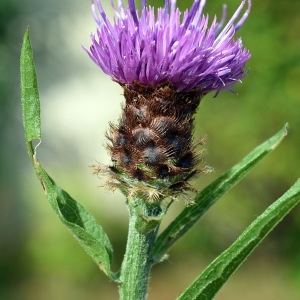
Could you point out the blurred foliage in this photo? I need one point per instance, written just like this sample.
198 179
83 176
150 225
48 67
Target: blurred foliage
40 260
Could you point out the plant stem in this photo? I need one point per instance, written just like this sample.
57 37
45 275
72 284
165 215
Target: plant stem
138 259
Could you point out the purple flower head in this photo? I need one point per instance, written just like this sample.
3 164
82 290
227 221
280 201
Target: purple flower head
151 48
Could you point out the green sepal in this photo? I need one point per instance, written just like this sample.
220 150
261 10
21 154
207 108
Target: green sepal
213 192
218 272
81 223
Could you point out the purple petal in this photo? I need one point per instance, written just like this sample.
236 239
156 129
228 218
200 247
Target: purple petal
153 47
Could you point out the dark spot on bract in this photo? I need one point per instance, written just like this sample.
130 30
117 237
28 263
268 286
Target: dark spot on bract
163 172
177 186
121 140
152 155
114 169
126 158
176 145
186 161
138 174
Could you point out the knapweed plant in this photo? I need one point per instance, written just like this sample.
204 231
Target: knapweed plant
166 62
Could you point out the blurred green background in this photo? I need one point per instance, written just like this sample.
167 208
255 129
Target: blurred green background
39 258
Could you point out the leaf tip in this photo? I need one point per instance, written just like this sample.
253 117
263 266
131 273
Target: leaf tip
286 128
26 34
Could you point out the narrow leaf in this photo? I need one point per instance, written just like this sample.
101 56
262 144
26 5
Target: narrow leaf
218 272
83 225
213 192
29 92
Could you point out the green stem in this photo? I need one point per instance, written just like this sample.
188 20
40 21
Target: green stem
138 259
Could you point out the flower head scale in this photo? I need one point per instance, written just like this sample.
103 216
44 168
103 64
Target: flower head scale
154 48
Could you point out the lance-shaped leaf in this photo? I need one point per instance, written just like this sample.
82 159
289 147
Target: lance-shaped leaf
213 192
218 272
29 94
82 224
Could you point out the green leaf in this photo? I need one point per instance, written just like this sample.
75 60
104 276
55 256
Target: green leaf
29 92
213 192
82 224
218 272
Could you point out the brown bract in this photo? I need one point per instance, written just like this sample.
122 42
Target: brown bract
152 146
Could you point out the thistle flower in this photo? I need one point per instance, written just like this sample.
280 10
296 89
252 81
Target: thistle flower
152 50
165 65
